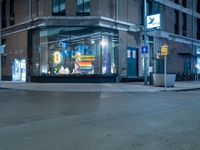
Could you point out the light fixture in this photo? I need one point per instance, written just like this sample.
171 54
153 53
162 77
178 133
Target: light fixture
104 42
92 42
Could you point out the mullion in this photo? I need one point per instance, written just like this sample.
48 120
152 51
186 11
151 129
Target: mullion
83 6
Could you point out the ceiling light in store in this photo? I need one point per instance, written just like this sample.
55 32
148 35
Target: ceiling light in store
92 42
104 42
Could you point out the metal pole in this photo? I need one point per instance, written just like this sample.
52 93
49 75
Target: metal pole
0 40
117 9
154 54
194 61
165 71
116 19
30 9
145 44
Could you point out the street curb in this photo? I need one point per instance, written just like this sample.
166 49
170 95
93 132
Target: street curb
97 91
192 89
147 91
104 88
181 90
4 88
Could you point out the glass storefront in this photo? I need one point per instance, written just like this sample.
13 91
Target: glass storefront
74 50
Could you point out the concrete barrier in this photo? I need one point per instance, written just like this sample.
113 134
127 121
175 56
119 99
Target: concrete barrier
158 80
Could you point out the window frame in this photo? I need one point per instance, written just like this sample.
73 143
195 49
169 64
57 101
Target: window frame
83 12
184 26
177 22
3 12
12 12
59 13
184 3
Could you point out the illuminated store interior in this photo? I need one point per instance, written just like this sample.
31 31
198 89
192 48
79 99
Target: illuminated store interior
59 51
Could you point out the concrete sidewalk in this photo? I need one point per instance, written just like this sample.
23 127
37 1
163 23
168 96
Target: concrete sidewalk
98 87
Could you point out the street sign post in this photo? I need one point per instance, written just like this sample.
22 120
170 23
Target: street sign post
145 44
145 52
164 52
1 52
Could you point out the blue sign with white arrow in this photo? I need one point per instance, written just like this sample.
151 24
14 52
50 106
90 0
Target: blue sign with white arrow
145 50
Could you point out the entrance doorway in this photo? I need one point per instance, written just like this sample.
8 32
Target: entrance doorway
132 69
19 70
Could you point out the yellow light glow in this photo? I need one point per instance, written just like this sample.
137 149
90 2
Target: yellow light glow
57 57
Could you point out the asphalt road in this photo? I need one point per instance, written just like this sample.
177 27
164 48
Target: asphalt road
99 121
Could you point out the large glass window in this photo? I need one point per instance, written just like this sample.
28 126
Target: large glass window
74 50
58 7
83 7
184 27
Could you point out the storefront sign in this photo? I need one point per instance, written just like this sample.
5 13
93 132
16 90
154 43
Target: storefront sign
153 21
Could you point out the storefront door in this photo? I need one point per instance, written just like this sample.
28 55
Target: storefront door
131 61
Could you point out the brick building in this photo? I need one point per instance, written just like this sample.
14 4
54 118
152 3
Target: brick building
95 40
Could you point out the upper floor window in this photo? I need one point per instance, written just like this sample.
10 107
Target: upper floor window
83 7
3 12
149 7
198 6
12 12
156 8
152 8
176 25
58 7
198 32
37 7
176 1
184 3
184 24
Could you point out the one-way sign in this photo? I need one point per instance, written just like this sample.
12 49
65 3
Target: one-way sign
145 50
